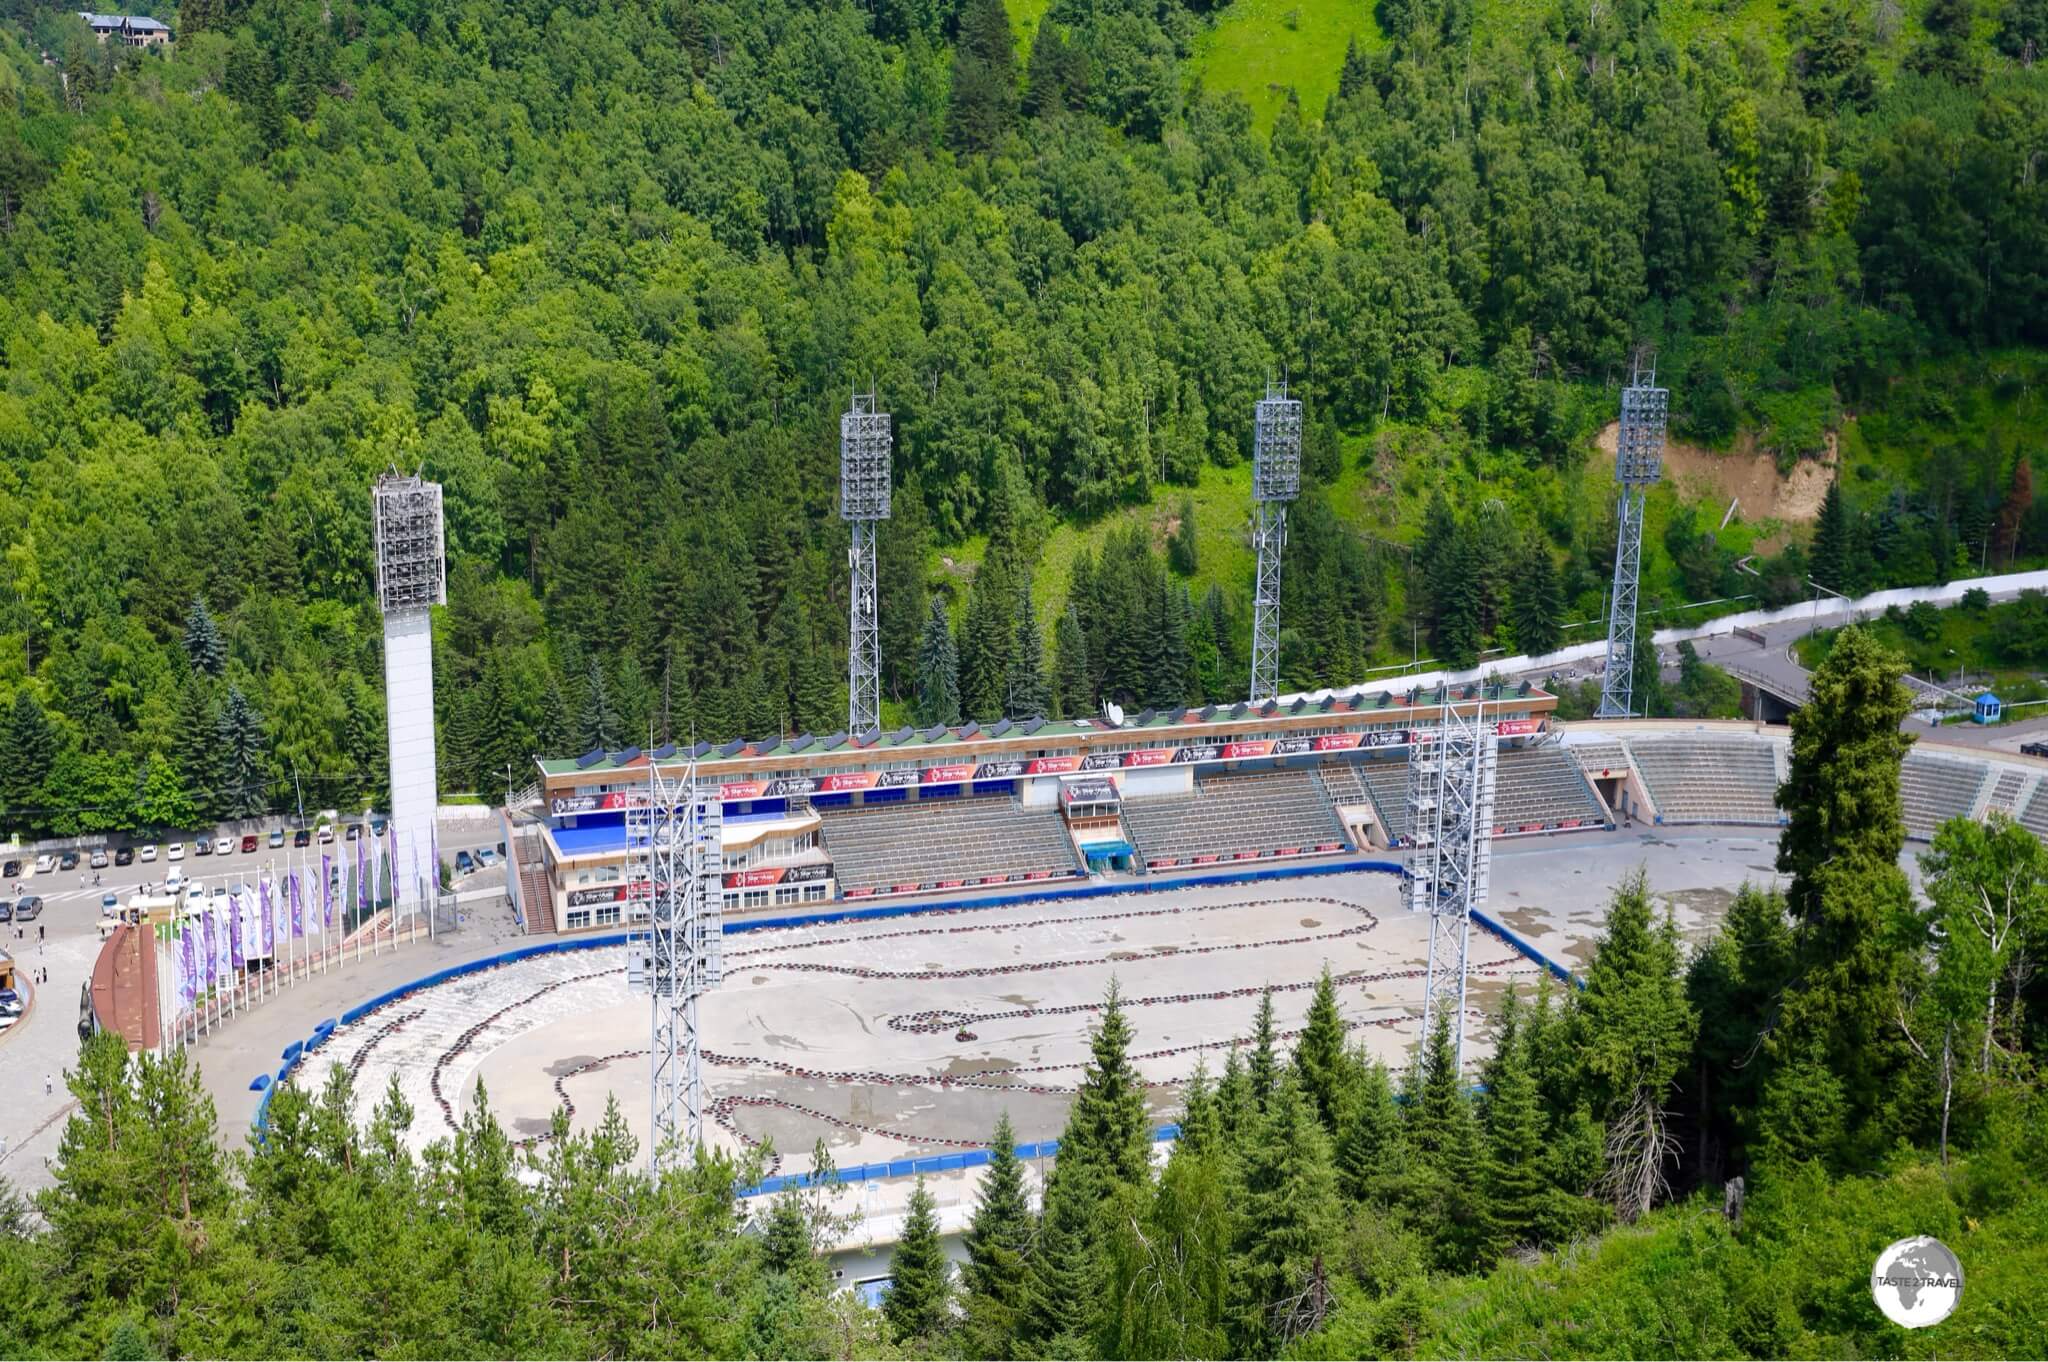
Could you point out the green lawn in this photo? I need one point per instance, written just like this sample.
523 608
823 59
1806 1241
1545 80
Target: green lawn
1024 17
1263 48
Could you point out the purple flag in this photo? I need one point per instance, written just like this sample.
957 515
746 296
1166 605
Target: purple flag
266 926
326 889
188 968
298 910
434 852
212 954
362 880
236 960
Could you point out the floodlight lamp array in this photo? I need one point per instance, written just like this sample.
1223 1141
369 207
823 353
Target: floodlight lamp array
865 443
411 571
1276 448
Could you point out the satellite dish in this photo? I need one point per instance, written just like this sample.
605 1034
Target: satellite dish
1114 713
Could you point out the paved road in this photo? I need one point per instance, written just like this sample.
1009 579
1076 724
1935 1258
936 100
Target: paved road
45 1043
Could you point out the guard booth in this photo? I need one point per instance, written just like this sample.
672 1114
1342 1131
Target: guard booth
1986 708
1094 813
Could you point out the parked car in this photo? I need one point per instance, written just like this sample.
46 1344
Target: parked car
303 837
6 910
277 837
11 871
486 858
11 1004
203 846
225 846
125 856
326 833
110 905
176 852
173 882
376 827
29 909
464 863
147 854
99 858
68 861
45 863
355 832
248 842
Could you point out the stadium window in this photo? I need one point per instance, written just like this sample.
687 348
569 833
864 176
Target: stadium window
755 898
608 916
732 901
813 892
577 919
786 895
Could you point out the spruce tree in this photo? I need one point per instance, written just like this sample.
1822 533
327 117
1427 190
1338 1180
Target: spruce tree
1369 1140
554 733
1237 1110
1519 1190
26 756
204 647
984 92
1459 602
244 781
1854 935
1262 1068
938 671
1073 692
1107 1126
987 639
597 726
1319 1056
1829 556
1030 697
786 1240
997 1239
1201 1128
921 1285
1289 1209
1538 603
1062 1286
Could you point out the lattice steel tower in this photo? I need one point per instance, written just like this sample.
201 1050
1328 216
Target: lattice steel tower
1276 480
1451 773
411 578
864 446
1638 447
676 860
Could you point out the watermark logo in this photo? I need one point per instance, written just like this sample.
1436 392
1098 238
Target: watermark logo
1916 1282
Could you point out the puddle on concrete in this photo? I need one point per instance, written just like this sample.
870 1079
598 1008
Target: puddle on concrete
569 1064
758 979
1528 921
1311 922
529 1125
1125 955
1017 1000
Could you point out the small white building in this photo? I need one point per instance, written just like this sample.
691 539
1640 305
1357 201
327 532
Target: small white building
130 30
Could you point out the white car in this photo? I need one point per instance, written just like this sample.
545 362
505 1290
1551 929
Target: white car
326 833
174 882
223 846
176 853
45 863
147 854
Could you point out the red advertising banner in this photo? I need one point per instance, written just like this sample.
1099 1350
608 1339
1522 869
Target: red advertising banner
851 780
742 789
564 805
1150 756
1233 750
1052 766
779 874
947 775
1336 742
1514 728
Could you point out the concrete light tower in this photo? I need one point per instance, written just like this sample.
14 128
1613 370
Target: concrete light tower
411 578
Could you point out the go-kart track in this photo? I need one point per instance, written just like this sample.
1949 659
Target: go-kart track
906 1036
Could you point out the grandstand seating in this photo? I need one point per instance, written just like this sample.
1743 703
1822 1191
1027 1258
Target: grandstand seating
1541 787
954 842
1936 789
1235 817
1596 758
2034 813
1340 778
1387 783
2005 795
1710 778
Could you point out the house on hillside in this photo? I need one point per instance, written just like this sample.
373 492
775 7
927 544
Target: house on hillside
131 30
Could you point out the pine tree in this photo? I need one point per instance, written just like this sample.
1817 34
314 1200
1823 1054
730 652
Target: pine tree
1107 1127
27 753
786 1241
1201 1128
1062 1286
921 1285
1460 603
997 1240
1538 603
1237 1111
204 648
244 780
1262 1068
1045 93
938 671
1289 1209
1073 692
2012 512
1030 697
984 77
1434 1092
1355 74
1319 1056
554 734
987 638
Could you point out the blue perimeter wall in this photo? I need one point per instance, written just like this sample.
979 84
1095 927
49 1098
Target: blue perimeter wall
299 1051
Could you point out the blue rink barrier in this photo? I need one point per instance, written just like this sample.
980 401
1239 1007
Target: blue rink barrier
300 1052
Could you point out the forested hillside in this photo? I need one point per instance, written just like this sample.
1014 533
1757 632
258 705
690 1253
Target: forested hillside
609 272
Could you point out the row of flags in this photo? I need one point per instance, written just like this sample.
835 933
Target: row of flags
214 944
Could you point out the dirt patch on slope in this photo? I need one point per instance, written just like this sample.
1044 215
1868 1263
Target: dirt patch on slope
1745 473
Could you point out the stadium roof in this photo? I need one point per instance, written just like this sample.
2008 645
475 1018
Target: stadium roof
1039 731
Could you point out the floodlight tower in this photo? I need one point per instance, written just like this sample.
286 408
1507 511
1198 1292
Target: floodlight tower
411 578
1451 773
1276 480
677 861
1638 447
864 446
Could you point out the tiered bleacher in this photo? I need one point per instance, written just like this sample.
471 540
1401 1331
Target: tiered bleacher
1936 789
1600 760
1540 789
2005 795
949 844
2034 816
1235 818
1710 779
1340 778
1387 783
